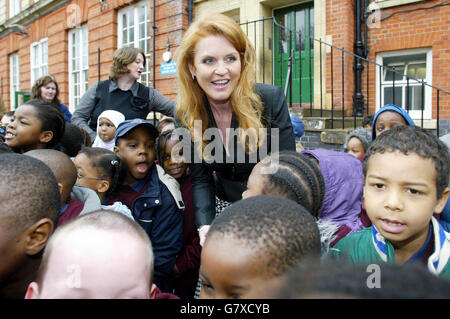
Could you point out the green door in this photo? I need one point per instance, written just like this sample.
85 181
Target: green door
297 36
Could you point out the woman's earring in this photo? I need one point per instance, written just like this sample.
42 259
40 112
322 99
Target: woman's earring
193 77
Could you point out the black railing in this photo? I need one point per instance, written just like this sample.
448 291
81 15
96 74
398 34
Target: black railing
263 33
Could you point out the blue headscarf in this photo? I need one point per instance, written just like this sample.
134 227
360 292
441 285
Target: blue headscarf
298 126
393 108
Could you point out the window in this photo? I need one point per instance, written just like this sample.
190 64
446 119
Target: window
402 81
134 30
78 65
14 7
39 59
14 80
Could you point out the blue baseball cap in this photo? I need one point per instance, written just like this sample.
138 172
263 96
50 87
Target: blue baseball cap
128 125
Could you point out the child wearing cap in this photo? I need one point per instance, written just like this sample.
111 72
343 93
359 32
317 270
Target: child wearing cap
357 142
153 196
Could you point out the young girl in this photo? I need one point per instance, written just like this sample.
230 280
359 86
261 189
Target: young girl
188 261
36 125
294 176
108 121
102 171
357 142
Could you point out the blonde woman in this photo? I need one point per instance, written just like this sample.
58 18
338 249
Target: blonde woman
122 93
217 97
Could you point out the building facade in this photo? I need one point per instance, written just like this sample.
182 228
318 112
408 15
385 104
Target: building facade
307 47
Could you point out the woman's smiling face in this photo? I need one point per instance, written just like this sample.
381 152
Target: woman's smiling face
217 67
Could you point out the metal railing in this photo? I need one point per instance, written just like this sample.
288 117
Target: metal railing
336 78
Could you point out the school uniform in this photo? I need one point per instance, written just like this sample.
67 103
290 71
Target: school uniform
368 246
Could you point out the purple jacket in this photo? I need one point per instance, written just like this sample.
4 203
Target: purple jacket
344 183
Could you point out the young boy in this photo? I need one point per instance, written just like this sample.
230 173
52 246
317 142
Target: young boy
102 254
406 174
252 244
153 196
29 205
75 199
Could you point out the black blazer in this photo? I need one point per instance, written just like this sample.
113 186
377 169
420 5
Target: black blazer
227 177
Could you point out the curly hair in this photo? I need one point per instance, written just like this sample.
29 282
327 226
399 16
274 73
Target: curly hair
414 140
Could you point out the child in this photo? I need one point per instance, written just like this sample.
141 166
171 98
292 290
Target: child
389 116
98 255
166 124
75 199
153 196
406 177
188 261
252 244
102 171
343 177
7 118
294 176
107 124
74 139
29 205
367 122
357 142
36 125
336 279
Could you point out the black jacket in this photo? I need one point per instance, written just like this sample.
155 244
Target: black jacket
227 178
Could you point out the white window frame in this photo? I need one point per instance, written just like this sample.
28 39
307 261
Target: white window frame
14 7
78 65
415 114
139 40
14 77
42 60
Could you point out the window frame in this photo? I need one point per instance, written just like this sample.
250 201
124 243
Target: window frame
41 64
82 71
14 71
14 8
415 114
136 33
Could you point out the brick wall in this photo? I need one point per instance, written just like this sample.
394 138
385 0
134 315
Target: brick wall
416 29
171 21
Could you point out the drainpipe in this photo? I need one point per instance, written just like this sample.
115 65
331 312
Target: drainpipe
189 11
358 97
154 43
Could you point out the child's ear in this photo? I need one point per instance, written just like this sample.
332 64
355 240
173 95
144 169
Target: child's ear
45 136
442 201
60 188
117 151
32 291
37 235
102 186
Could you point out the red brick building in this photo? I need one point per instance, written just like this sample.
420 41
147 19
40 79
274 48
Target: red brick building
74 41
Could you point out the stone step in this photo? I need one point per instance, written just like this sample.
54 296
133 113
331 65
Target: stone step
323 123
334 136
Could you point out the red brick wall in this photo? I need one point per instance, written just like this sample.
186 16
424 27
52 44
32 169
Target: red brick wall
417 29
341 27
171 21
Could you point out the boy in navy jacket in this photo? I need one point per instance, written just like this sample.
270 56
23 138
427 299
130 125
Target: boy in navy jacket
153 196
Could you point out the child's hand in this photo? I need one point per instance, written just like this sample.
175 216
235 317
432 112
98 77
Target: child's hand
202 231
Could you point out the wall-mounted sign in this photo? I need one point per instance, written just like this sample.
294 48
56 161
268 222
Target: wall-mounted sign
168 68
